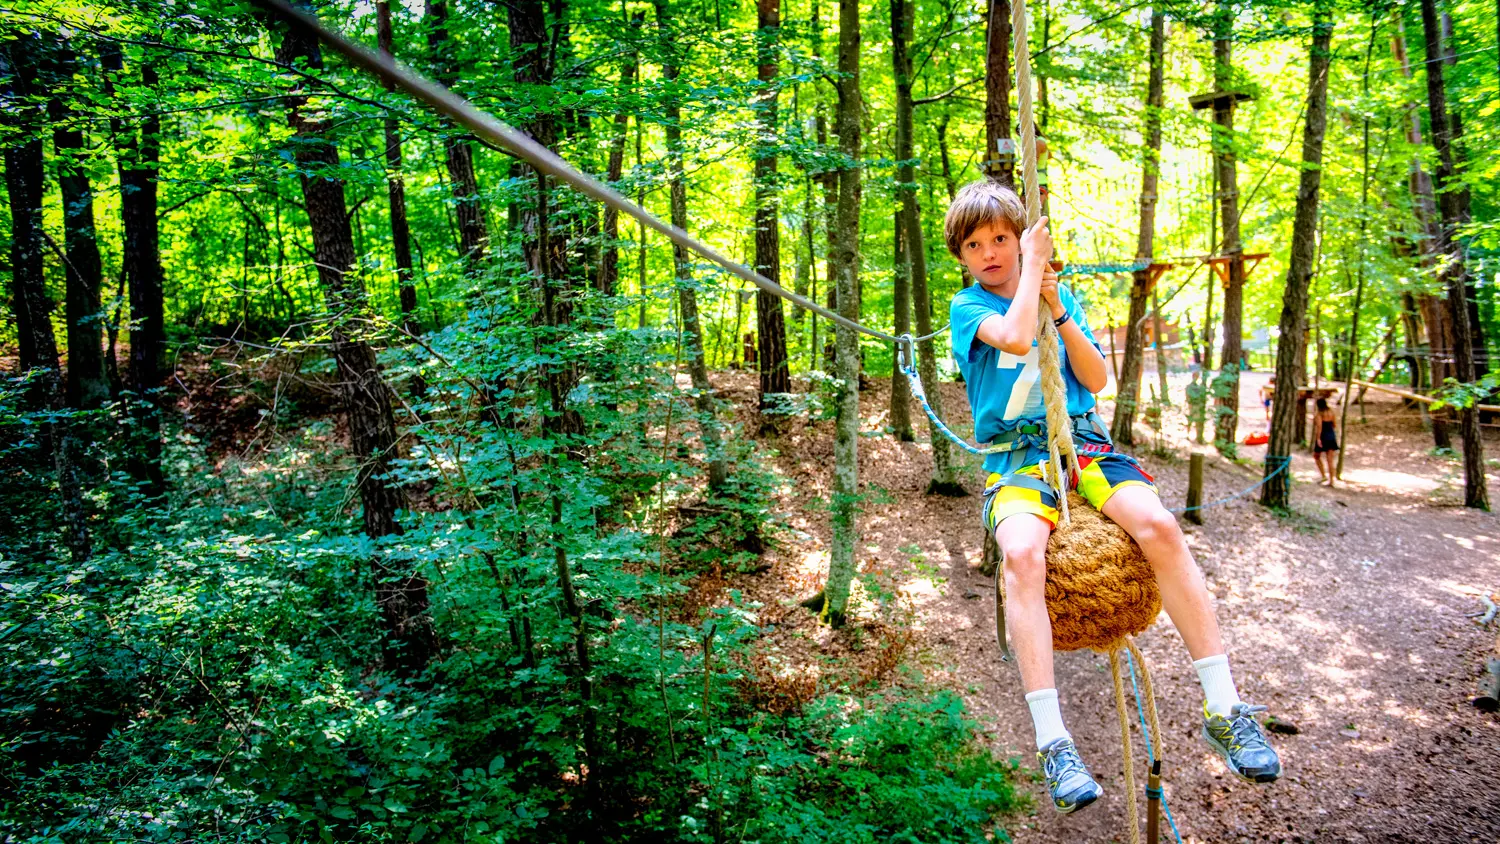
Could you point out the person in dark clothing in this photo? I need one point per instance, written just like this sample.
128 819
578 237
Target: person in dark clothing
1327 442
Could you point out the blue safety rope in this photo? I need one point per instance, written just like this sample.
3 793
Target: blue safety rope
1095 269
1285 462
1150 755
906 357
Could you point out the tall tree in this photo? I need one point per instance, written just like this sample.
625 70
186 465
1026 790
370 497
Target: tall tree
473 233
1425 310
138 154
687 297
900 409
87 386
609 264
395 183
1453 271
401 595
25 183
1128 386
533 41
944 479
1277 490
1463 201
21 86
770 323
845 506
997 90
1226 385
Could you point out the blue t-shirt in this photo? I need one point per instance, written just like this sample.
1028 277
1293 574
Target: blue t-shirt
1006 389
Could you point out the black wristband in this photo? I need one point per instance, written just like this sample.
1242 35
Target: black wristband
1062 320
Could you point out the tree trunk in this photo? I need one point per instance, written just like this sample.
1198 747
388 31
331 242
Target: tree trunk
401 596
944 479
1359 288
396 187
997 36
609 265
25 182
473 234
687 298
900 408
1226 386
1128 386
770 324
137 156
1481 354
1277 490
1454 272
1420 185
87 386
844 506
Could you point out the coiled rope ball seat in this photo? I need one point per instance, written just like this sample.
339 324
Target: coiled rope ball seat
1100 588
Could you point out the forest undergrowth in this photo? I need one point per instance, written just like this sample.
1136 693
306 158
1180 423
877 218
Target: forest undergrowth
220 668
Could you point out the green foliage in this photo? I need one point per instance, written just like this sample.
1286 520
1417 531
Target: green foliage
886 768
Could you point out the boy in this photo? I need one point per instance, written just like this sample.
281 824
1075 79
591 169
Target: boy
994 341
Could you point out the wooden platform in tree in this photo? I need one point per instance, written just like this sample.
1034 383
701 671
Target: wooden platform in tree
1220 265
1212 99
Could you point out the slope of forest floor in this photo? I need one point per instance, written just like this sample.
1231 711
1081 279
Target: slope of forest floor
1346 617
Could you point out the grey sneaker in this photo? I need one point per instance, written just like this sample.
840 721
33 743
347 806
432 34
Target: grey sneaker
1067 779
1242 743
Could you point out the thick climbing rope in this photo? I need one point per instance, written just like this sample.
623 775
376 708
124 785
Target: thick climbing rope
1153 731
518 143
1131 811
1063 458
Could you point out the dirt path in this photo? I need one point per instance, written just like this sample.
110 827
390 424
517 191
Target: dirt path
1346 619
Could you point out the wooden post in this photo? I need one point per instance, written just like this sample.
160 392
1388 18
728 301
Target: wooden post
1195 489
1489 687
1153 785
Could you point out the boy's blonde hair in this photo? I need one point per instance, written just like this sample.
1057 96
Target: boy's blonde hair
981 203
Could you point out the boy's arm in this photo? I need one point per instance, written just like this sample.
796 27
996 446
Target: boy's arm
1084 358
1014 330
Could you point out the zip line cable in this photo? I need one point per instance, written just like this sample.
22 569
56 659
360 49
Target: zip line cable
518 143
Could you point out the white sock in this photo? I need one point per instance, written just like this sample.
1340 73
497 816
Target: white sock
1219 693
1046 715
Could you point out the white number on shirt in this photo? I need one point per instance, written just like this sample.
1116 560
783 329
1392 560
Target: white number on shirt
1025 384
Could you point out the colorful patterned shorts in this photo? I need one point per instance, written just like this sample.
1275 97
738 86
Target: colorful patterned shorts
1100 476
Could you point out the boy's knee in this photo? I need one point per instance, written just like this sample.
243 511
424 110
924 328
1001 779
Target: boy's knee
1157 525
1025 563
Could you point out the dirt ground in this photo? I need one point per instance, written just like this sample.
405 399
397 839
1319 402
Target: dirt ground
1346 618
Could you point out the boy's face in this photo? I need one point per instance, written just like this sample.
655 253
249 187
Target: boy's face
992 254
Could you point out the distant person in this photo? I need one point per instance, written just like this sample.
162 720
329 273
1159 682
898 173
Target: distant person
1327 442
1266 393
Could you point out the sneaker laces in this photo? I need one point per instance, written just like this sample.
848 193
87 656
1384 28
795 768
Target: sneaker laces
1245 729
1063 759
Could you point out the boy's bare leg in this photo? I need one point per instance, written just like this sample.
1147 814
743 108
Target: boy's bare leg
1229 725
1183 593
1023 542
